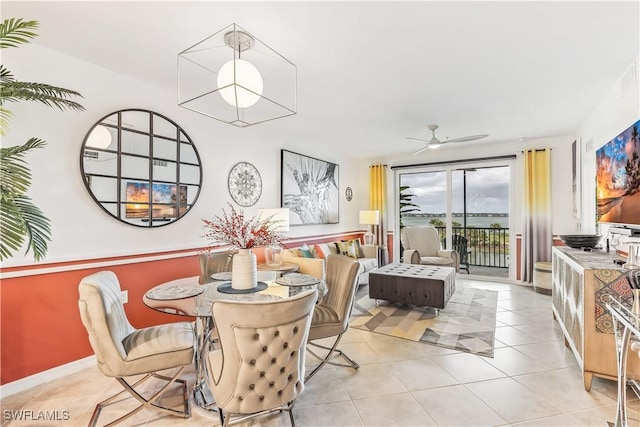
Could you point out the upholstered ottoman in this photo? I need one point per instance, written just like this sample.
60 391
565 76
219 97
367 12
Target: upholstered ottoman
423 285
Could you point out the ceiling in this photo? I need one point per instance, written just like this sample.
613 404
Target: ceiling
371 74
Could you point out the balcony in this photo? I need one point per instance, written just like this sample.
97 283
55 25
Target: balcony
487 250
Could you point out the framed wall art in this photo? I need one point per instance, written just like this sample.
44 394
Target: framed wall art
576 161
310 188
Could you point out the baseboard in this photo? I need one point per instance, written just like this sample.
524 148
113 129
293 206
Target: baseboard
46 376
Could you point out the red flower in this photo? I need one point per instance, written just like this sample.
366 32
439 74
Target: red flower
235 230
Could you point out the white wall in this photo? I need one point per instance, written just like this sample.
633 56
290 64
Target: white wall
563 220
81 229
618 110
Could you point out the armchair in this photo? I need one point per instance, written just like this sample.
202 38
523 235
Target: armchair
124 351
422 246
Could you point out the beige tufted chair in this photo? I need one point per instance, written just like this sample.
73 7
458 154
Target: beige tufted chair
259 366
331 316
422 246
122 350
214 262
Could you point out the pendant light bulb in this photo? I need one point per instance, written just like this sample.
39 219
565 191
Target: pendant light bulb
240 83
100 137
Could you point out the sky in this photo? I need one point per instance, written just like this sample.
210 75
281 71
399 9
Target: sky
487 190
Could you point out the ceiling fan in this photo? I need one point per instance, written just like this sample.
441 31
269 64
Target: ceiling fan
435 142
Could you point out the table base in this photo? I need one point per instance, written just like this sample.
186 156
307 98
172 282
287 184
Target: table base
203 398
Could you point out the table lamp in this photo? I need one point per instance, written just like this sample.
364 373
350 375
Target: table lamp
280 216
369 218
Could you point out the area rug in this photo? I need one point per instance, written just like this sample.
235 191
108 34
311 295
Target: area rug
467 323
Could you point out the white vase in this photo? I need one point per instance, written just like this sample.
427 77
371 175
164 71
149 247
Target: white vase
244 274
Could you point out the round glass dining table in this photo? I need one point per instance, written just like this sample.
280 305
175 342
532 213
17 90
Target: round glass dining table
187 297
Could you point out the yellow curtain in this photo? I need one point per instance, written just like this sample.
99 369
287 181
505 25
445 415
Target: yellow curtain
537 236
378 200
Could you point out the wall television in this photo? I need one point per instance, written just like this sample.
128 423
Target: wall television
163 200
618 178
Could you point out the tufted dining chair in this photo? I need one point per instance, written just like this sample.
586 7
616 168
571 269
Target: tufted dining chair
259 366
422 246
214 262
123 351
331 316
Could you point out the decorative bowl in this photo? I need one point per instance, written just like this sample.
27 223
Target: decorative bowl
580 240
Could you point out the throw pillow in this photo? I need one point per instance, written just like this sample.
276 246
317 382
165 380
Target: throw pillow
350 248
324 250
305 251
320 252
356 247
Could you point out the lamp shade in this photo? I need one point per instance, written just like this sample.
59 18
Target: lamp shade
278 215
369 217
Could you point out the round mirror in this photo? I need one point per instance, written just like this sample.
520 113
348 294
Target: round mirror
141 168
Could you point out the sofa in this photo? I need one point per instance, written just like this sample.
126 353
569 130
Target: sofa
311 258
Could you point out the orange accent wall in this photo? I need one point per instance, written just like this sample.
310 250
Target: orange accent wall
39 317
40 321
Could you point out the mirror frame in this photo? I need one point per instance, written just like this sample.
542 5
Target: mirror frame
118 127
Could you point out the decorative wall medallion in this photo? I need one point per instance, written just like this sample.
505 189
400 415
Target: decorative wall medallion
245 184
348 194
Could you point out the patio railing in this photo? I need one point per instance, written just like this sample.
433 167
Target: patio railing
487 247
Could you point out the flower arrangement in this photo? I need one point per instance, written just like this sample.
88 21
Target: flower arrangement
236 230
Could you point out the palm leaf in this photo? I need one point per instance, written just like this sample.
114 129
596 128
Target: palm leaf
20 150
51 96
16 178
12 231
16 31
19 217
37 225
5 75
22 219
5 118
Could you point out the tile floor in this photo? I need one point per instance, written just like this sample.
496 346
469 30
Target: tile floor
533 380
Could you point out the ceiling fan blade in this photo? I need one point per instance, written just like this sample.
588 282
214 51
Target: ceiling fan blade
421 140
420 150
466 138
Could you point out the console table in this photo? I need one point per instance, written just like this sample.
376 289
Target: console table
582 284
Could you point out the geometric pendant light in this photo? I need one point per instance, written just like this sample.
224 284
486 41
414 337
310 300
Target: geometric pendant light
233 77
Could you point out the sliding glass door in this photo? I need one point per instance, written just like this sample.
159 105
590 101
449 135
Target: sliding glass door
469 204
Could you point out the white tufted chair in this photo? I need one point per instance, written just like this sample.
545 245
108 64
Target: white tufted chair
331 316
259 366
422 246
122 350
214 262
